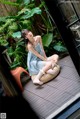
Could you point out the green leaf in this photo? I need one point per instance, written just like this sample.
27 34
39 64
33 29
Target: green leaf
13 27
3 42
16 34
60 48
19 1
30 13
47 39
35 10
26 2
3 19
14 65
10 51
19 43
42 4
26 24
9 3
23 11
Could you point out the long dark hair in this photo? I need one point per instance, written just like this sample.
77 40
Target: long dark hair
23 34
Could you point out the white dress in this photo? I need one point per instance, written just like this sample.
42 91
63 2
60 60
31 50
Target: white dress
33 62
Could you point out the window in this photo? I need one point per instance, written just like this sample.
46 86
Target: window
70 10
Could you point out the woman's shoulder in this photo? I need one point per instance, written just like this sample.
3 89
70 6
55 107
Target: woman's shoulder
37 38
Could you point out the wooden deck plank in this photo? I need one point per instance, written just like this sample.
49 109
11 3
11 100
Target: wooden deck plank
66 61
41 106
49 97
59 98
64 84
43 91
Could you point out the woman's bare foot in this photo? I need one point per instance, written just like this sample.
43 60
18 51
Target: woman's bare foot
37 82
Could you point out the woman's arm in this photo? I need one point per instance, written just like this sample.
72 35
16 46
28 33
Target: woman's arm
30 48
40 40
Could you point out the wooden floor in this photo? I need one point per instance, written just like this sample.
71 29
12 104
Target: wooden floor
48 98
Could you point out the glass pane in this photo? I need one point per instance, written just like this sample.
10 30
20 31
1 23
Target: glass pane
76 32
68 11
77 6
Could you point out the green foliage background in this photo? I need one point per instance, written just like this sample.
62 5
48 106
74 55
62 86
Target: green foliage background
34 17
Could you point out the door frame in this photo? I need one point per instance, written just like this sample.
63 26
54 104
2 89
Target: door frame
64 31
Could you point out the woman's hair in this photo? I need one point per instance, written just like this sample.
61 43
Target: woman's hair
23 34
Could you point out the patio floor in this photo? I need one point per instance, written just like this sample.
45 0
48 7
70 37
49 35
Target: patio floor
51 96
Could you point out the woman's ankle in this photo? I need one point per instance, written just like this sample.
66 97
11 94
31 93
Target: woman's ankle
37 82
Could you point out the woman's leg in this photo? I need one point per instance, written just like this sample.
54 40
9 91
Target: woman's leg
36 80
52 72
54 57
48 65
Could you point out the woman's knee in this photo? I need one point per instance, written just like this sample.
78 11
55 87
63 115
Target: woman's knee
56 57
47 66
49 63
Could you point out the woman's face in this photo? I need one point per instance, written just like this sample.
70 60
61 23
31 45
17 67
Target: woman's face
29 35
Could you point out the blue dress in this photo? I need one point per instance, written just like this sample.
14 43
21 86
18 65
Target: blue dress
33 62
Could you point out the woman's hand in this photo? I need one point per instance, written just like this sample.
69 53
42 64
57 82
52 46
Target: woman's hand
45 59
30 48
42 57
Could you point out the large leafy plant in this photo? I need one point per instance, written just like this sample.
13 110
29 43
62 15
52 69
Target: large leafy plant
51 38
22 20
18 55
33 17
11 27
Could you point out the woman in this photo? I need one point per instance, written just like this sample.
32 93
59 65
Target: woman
37 61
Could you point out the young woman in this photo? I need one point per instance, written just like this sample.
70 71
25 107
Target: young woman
37 61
